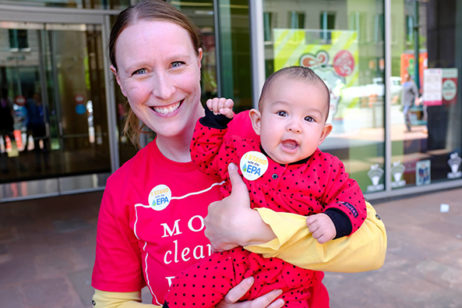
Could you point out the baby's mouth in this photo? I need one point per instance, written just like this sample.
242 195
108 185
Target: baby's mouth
290 144
167 109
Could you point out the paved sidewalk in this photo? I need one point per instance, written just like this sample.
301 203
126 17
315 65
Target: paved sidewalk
423 267
47 252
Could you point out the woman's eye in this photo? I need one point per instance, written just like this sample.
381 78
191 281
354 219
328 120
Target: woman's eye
139 71
309 119
282 113
177 64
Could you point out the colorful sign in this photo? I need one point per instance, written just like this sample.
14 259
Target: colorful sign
440 86
422 173
449 86
408 64
332 54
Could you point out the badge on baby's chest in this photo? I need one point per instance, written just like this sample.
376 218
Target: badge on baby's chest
253 165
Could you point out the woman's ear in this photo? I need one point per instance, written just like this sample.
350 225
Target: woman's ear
255 118
114 71
200 54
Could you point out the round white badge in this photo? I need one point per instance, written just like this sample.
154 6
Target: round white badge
253 165
160 197
449 89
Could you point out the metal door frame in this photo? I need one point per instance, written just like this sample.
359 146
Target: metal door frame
66 184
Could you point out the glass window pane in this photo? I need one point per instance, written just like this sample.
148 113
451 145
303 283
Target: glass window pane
426 126
342 41
53 84
201 14
234 52
80 4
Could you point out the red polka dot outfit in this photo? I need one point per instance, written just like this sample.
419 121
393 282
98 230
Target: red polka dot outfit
318 184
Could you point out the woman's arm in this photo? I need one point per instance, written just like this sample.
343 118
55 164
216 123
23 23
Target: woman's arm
104 299
232 223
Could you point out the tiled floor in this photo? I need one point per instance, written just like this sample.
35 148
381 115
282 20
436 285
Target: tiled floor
47 251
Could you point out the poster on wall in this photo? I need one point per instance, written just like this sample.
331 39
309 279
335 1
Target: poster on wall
408 65
332 54
422 173
449 86
433 87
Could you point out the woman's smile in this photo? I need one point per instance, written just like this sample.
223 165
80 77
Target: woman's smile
166 110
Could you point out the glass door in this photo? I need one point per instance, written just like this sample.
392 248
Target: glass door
53 101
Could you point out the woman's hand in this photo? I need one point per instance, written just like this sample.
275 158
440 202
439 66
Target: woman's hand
231 222
264 301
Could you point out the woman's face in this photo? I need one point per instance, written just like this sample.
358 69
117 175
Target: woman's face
158 71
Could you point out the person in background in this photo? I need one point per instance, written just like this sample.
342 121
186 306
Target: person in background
36 126
6 118
408 98
156 207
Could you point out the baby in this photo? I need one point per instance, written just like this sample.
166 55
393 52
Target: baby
285 171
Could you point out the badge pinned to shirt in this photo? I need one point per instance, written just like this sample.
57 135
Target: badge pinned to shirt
160 197
253 165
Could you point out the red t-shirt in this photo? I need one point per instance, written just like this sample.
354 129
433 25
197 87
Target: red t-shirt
133 224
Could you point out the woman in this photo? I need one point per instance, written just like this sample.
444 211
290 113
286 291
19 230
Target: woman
151 222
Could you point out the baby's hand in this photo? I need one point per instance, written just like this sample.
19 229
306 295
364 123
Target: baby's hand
222 106
321 227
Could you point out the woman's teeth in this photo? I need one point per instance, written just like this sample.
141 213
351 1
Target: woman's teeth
166 109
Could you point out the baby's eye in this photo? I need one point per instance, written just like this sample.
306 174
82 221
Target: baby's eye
177 64
309 119
139 71
281 113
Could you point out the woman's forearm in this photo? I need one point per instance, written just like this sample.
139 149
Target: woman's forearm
104 299
364 250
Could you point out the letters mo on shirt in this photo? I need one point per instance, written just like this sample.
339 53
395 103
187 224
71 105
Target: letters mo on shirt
194 224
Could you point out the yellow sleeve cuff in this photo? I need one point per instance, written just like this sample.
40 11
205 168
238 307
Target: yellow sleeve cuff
104 299
364 250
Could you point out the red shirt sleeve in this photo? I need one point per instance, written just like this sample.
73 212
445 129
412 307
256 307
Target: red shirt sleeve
212 148
117 260
342 192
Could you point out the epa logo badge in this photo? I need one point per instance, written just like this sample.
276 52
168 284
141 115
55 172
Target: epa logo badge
160 197
253 165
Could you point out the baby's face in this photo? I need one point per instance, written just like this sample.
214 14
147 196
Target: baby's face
293 119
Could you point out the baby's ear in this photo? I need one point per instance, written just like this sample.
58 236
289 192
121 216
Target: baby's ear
255 118
325 132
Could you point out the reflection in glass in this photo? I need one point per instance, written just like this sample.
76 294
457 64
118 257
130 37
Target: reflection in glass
424 52
79 4
52 79
343 42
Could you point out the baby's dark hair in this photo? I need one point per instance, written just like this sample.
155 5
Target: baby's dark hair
297 72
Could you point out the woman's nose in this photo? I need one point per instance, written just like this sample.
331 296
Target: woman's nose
163 87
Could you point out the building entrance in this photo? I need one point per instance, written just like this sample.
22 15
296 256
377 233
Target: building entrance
54 130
